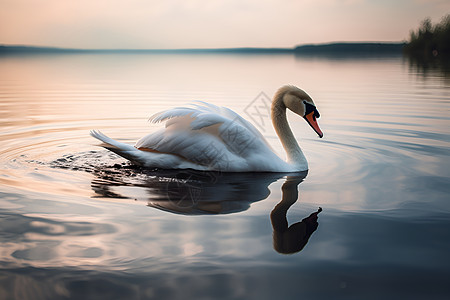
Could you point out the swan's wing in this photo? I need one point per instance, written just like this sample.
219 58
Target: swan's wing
206 114
204 134
231 115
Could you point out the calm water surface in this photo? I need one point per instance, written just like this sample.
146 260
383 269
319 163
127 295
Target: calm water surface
80 222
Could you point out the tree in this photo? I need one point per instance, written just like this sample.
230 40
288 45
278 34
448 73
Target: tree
430 40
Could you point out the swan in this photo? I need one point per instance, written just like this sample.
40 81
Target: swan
206 137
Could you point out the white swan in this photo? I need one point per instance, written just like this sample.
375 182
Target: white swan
211 138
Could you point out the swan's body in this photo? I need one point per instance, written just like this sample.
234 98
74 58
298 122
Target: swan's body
211 138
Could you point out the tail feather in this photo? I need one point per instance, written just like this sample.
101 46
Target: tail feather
125 150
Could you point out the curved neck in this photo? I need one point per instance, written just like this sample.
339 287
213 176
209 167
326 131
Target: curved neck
279 119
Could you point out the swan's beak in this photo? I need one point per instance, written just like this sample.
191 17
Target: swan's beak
311 119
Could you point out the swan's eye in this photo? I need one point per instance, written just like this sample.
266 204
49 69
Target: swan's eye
316 113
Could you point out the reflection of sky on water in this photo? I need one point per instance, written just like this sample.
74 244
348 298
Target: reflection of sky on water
349 254
47 238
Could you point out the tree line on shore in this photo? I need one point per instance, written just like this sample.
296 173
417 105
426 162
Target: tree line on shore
430 40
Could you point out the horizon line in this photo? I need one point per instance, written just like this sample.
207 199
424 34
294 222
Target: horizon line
243 48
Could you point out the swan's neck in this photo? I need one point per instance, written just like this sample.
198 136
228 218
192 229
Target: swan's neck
295 155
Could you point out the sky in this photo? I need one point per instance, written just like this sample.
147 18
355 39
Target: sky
174 24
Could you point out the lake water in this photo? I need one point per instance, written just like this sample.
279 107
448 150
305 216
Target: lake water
77 222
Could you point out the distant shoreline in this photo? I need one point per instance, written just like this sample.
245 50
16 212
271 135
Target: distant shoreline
307 49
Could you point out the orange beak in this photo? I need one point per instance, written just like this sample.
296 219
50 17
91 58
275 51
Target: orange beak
311 119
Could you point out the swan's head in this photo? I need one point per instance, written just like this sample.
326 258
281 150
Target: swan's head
302 104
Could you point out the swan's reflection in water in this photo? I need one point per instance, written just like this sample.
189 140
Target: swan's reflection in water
291 239
190 192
